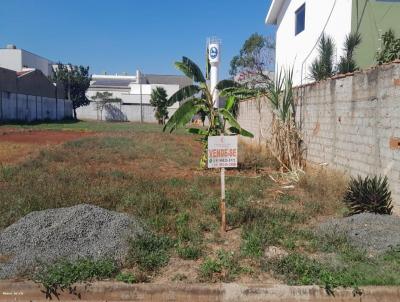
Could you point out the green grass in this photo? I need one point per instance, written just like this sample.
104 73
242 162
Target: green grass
225 266
150 252
94 126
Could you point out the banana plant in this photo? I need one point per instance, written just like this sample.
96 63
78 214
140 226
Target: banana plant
198 97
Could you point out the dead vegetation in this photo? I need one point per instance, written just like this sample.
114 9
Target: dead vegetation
154 177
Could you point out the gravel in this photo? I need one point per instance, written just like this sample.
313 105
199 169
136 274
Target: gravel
82 231
374 233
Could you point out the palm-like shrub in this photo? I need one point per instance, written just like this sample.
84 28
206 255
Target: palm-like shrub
323 67
347 62
368 195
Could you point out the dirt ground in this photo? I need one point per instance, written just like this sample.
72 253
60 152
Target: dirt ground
18 145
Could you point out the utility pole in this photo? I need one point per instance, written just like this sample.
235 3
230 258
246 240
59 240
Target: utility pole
138 78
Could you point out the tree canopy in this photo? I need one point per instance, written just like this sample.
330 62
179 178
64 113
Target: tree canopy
255 59
76 81
159 100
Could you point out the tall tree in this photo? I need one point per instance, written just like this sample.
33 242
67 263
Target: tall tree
159 100
255 59
197 97
76 81
102 99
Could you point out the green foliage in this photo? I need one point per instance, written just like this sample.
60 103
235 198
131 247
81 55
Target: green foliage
126 278
390 48
347 62
102 99
149 251
159 100
224 267
189 238
268 227
322 67
62 275
218 117
256 56
189 251
368 195
76 81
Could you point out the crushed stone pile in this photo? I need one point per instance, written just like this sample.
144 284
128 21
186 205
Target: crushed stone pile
82 231
371 232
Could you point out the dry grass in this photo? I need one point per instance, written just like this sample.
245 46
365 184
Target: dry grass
155 177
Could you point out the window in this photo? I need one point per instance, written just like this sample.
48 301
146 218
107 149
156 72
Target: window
300 19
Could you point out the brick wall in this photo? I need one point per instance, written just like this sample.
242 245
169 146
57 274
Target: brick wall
351 123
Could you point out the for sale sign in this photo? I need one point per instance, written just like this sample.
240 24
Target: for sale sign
222 151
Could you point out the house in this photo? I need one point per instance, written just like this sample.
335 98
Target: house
30 96
19 60
134 92
300 24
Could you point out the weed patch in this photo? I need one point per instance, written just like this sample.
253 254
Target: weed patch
224 267
150 252
62 275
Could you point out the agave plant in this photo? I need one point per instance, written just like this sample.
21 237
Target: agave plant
198 97
368 195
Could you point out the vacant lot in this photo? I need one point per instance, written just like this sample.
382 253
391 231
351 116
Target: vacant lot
141 171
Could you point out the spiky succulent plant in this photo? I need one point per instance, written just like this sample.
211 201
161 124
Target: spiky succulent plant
369 194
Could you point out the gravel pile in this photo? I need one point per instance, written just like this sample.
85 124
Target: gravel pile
374 233
69 233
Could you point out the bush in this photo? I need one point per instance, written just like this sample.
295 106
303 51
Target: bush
390 49
62 275
368 195
150 252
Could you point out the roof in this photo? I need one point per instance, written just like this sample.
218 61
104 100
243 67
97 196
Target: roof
274 9
123 82
182 81
112 82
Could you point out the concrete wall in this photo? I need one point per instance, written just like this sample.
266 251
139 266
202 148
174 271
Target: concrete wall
119 112
298 51
351 123
28 108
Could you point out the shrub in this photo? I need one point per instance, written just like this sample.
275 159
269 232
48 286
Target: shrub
149 251
390 49
62 275
347 62
322 67
368 195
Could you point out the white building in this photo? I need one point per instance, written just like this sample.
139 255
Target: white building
134 92
21 60
300 24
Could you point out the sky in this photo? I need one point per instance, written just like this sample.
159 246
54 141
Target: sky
124 35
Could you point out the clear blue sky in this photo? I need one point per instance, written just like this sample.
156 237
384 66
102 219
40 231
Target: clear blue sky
122 35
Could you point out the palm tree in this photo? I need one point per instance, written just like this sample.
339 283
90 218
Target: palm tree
198 97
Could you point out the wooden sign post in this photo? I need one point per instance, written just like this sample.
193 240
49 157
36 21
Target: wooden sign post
222 153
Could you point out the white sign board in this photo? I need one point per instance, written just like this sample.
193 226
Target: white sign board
222 151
